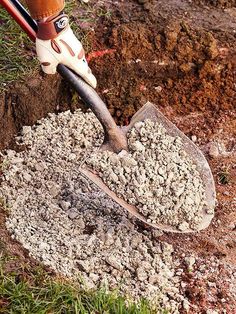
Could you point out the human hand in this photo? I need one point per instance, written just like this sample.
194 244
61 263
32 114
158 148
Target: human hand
56 43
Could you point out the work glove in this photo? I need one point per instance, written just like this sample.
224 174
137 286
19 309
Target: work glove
56 43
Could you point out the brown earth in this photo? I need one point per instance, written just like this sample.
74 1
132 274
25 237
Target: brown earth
181 55
217 3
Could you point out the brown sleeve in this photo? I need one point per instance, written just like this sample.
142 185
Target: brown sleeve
40 9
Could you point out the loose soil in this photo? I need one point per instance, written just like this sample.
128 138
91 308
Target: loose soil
181 56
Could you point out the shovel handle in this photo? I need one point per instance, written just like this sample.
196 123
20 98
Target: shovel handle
113 135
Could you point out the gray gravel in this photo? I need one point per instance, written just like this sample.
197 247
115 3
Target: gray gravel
68 224
157 176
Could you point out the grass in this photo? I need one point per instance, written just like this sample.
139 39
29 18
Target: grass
224 175
33 291
16 51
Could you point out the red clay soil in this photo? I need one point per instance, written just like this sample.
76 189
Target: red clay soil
180 55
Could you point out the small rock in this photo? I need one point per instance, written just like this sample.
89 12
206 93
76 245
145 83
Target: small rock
141 274
158 89
65 205
94 277
190 261
26 130
72 214
84 265
111 260
186 305
183 226
213 150
194 138
210 311
17 160
137 146
27 176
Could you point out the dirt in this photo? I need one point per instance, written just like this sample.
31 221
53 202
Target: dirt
178 54
217 3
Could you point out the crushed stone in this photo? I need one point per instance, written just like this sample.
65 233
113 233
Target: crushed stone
156 175
68 224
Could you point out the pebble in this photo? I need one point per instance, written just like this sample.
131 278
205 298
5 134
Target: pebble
65 205
111 260
190 261
213 150
183 226
72 214
194 138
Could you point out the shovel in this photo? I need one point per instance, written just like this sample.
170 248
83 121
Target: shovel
115 138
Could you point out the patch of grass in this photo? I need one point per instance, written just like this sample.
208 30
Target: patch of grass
17 55
45 294
224 176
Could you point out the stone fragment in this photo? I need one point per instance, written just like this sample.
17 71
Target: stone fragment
184 226
214 150
72 214
141 274
65 205
111 260
190 261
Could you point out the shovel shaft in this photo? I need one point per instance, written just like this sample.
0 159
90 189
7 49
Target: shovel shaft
13 10
114 137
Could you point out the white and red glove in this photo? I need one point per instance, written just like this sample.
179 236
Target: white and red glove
56 43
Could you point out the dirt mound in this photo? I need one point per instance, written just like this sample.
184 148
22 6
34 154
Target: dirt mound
175 67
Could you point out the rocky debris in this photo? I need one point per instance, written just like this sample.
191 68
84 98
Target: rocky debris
68 224
157 176
64 221
216 149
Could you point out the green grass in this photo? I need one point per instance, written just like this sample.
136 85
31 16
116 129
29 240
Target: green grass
224 175
33 291
16 51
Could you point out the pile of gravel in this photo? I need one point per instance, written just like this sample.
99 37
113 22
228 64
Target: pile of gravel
68 224
157 176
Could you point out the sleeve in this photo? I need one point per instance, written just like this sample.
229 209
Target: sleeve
40 9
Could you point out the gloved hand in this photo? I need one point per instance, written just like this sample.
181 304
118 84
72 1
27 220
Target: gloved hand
56 43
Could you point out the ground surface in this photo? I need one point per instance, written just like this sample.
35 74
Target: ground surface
180 55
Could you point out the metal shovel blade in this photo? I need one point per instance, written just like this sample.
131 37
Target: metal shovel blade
149 111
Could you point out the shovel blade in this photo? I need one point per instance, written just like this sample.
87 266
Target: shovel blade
149 111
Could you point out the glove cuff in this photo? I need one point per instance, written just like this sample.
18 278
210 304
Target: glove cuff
51 29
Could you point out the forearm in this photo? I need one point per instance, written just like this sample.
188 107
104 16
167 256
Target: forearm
40 9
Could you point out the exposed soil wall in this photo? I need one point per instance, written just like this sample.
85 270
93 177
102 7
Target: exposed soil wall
26 102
